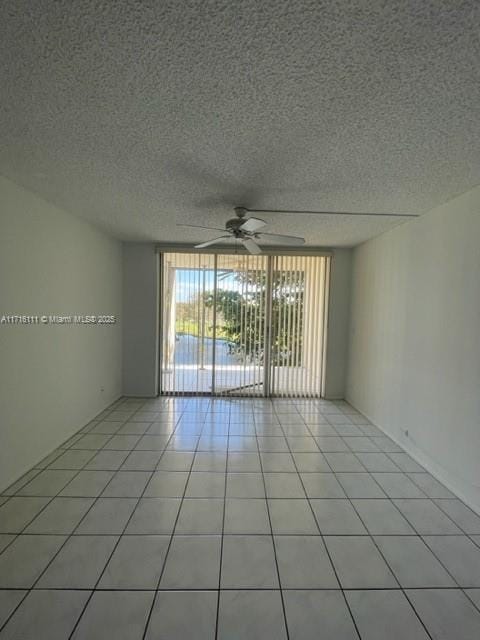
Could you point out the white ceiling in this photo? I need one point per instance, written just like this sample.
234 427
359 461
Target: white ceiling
137 115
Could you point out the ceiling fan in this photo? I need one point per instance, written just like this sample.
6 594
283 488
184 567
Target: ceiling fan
247 231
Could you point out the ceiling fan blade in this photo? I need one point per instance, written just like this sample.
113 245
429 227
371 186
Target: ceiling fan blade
251 246
336 213
209 242
199 226
252 224
275 237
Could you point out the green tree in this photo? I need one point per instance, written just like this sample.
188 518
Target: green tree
242 314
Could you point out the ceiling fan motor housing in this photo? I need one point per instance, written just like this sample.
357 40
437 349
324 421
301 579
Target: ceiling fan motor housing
233 225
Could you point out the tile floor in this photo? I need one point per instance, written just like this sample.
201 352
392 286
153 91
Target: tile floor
242 519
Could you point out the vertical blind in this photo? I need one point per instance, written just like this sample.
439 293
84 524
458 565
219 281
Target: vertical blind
243 325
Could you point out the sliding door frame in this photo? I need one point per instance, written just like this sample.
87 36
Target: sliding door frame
268 369
160 289
214 321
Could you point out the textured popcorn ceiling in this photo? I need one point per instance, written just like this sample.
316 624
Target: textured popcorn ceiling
137 115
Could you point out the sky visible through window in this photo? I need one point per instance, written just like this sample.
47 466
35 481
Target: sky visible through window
189 282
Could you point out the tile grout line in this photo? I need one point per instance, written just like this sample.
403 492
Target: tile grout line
273 538
401 588
223 530
182 589
475 604
323 541
118 539
156 590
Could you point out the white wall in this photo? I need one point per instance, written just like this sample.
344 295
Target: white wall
140 320
414 361
53 379
338 324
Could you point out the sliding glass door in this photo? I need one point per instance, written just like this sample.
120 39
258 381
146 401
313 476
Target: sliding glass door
187 326
243 325
298 324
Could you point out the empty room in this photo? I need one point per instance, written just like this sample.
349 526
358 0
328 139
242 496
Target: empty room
239 320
